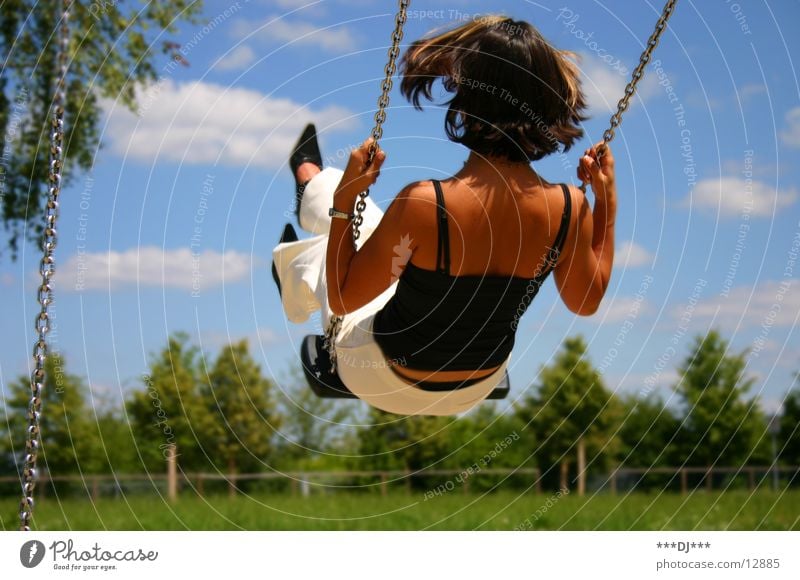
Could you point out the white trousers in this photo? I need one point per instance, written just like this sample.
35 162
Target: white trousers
360 362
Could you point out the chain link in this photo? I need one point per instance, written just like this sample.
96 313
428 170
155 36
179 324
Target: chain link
636 76
383 102
46 270
329 342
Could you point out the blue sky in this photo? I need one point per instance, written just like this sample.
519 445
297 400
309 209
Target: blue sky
173 228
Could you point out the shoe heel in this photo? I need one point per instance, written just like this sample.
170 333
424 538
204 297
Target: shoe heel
288 235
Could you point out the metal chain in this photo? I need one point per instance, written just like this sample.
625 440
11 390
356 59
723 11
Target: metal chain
329 342
383 102
636 76
46 269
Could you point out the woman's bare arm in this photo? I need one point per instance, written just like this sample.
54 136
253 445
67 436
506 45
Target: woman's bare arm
583 274
356 278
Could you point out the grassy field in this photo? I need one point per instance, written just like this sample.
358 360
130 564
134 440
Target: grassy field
735 510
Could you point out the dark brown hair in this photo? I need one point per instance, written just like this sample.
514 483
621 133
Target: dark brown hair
514 95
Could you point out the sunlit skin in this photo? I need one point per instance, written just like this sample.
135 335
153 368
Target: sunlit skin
496 200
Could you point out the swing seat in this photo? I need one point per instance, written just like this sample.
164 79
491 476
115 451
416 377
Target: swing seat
317 368
327 384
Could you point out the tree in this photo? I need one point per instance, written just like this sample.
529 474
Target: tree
110 54
789 429
411 443
68 433
379 439
647 433
170 409
117 442
572 415
315 430
242 412
485 439
720 426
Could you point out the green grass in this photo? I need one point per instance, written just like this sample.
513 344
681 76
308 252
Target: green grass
735 510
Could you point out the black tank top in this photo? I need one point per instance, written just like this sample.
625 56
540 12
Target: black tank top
439 322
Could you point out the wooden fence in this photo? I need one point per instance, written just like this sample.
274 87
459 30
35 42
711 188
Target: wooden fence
175 481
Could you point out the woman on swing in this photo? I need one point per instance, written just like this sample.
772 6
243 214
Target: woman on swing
431 299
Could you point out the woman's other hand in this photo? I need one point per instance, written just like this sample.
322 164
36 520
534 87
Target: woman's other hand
357 176
598 170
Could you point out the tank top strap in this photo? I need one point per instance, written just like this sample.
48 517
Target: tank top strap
554 253
443 244
563 229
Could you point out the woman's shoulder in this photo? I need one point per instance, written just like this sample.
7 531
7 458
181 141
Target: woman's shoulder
577 198
416 199
413 205
417 190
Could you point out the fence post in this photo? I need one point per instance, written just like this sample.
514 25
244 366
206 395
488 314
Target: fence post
172 473
709 482
684 482
538 475
95 490
200 484
751 479
581 467
614 482
563 475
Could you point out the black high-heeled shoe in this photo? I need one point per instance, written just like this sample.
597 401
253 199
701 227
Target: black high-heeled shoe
288 235
306 150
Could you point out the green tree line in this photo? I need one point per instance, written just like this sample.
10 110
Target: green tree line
113 49
224 416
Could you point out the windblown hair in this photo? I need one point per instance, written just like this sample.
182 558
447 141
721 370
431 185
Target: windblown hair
514 95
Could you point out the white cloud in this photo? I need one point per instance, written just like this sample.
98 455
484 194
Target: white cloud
238 59
203 123
292 3
787 355
618 308
752 90
282 30
791 136
604 85
732 196
772 406
770 303
261 337
632 255
644 384
153 266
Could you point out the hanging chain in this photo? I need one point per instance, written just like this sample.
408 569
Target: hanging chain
636 76
46 269
329 342
383 103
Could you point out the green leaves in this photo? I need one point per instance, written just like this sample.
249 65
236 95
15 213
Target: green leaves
222 417
789 429
111 51
721 425
571 402
68 425
242 419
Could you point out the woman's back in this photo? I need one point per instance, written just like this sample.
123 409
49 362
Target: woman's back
512 99
501 221
457 308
